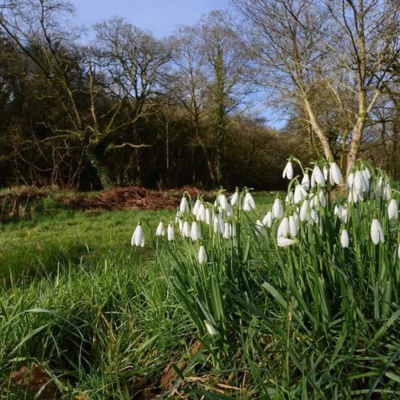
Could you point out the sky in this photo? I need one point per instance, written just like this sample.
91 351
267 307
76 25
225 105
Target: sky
161 17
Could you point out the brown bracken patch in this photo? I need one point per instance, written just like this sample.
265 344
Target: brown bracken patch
33 379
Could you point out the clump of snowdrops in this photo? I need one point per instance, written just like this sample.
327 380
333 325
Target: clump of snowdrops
315 282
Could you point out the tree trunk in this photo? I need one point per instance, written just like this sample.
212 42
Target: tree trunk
101 170
318 131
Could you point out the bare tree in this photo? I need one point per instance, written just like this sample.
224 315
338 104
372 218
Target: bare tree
344 46
133 60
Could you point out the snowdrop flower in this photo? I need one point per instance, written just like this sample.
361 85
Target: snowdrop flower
335 176
288 171
202 255
289 198
186 229
210 328
259 227
196 207
337 210
393 210
344 215
229 210
314 216
344 239
387 192
350 180
358 183
195 231
268 219
184 205
170 233
160 229
283 229
223 201
304 211
318 176
138 237
277 209
201 213
284 242
234 199
305 182
248 202
227 231
299 194
377 232
293 228
208 217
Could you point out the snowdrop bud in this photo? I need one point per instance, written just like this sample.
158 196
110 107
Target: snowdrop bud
259 227
234 199
288 171
344 239
184 206
335 176
180 224
377 232
322 199
208 217
325 172
248 202
195 231
305 182
160 229
289 198
196 207
284 242
292 226
227 231
283 229
170 233
344 215
304 211
277 209
138 237
393 210
202 255
268 219
186 229
387 192
210 329
318 176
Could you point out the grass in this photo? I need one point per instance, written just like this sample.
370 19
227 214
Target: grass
96 318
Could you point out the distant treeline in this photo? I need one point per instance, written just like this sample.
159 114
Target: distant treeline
128 109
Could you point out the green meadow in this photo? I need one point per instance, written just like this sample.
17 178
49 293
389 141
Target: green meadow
85 315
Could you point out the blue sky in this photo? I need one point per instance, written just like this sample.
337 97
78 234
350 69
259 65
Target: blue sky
158 16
